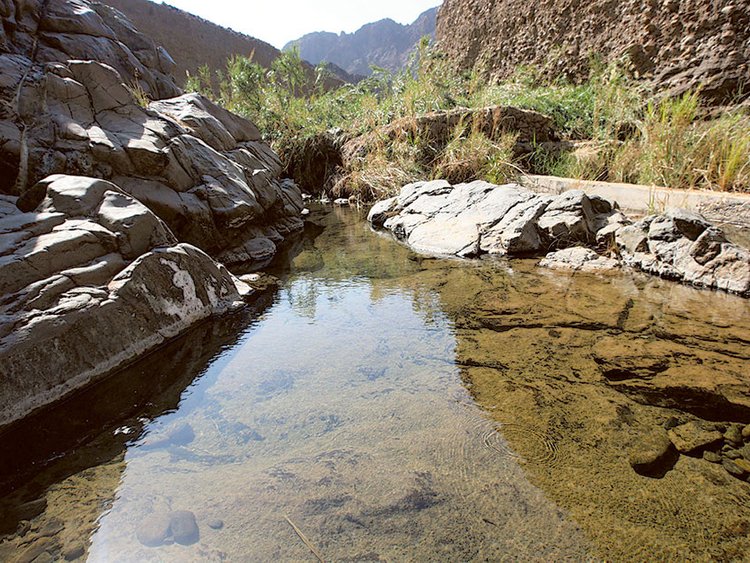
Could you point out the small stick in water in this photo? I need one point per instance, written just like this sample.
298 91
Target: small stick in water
304 539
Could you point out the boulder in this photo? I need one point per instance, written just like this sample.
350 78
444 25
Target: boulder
478 218
84 111
483 218
693 437
652 453
684 246
90 264
569 219
580 259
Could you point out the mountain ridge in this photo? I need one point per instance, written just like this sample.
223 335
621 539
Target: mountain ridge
384 43
194 42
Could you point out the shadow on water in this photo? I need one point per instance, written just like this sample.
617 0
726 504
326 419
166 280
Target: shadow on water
348 401
95 425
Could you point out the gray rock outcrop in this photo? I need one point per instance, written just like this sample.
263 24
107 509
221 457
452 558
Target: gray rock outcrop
684 246
203 170
478 218
91 279
110 205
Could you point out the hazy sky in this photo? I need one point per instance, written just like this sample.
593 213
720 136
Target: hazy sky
280 21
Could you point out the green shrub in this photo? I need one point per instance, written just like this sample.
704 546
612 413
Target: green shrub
632 139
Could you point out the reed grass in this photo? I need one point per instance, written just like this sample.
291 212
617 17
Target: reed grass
634 137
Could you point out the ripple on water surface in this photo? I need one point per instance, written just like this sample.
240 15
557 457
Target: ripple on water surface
345 421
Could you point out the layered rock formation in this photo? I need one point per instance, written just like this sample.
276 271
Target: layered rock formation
109 205
468 220
203 170
90 279
678 45
385 43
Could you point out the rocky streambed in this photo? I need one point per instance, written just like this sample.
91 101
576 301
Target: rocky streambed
430 408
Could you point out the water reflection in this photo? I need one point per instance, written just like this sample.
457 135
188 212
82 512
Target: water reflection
346 414
342 410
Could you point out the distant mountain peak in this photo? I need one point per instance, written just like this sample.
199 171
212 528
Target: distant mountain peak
384 43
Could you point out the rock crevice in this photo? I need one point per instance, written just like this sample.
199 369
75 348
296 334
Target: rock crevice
469 220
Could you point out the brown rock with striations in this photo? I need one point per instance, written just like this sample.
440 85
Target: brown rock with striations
676 45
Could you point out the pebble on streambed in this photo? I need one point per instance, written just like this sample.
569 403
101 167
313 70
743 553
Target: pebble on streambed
161 528
725 444
652 456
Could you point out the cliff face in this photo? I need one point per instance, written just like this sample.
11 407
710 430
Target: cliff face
678 45
384 43
192 41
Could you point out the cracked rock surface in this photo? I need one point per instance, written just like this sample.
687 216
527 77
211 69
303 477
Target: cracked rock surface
675 45
73 76
91 279
116 212
468 220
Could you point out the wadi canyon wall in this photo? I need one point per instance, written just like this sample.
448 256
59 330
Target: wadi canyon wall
678 45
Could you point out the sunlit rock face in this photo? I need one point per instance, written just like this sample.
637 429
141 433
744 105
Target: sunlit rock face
112 203
469 220
91 279
677 46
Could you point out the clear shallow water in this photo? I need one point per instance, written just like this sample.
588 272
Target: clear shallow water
392 408
341 408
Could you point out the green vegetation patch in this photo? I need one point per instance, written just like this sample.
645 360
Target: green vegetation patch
618 130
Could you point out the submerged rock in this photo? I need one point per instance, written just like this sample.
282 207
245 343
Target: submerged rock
736 468
161 528
154 530
580 259
733 435
184 528
711 457
652 454
692 437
